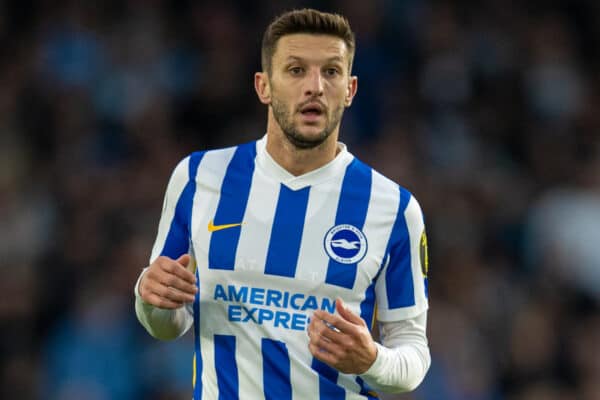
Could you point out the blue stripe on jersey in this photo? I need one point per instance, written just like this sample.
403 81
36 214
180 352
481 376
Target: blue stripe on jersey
328 387
276 370
197 355
232 206
286 234
366 390
226 367
178 238
352 209
398 278
367 306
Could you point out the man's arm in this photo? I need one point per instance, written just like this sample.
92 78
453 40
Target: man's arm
403 359
165 289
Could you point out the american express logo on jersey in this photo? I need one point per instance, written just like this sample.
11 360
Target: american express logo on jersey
283 309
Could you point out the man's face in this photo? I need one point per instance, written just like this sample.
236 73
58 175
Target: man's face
310 86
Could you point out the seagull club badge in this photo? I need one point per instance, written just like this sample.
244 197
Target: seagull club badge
345 244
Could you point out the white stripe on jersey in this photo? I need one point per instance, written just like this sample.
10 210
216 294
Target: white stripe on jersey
209 178
382 208
250 365
413 213
262 202
209 368
320 213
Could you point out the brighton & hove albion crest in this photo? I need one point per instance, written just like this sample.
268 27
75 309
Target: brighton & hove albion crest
345 244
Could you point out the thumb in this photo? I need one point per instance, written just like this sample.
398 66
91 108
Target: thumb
346 313
183 260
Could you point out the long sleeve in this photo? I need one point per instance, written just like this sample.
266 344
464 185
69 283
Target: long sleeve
162 323
403 359
172 240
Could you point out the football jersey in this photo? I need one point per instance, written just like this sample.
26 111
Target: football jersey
270 248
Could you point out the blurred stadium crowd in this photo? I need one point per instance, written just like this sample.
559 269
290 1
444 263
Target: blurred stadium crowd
488 111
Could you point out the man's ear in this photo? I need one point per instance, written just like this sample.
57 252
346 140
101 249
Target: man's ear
262 87
351 90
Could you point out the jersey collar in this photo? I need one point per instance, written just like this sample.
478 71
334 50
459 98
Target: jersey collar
272 169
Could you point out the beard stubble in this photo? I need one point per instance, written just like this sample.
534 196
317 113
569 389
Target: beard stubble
291 131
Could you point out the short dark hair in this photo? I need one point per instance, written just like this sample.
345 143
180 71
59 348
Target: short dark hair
306 20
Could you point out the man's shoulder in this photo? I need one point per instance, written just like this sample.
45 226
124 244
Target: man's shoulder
220 157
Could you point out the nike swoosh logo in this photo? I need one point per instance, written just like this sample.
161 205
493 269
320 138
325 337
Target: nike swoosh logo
213 228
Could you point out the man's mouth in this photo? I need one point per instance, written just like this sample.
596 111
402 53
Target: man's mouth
312 109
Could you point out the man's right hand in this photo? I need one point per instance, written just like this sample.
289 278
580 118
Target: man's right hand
168 284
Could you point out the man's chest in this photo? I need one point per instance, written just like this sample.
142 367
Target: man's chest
296 234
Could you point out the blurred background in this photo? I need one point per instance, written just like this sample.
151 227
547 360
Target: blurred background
488 111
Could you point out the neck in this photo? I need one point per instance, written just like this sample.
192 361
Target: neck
295 160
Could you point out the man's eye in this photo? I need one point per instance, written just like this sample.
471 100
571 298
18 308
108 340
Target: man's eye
331 71
295 70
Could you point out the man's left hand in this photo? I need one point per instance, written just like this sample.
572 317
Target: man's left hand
343 341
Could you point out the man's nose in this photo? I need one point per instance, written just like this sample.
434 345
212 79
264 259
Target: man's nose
314 83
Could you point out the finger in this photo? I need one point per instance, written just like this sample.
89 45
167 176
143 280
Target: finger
172 293
310 327
174 267
321 329
160 302
346 313
322 355
179 284
315 329
314 350
160 283
336 321
184 260
323 343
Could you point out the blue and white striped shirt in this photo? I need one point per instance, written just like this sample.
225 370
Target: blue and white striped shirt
271 248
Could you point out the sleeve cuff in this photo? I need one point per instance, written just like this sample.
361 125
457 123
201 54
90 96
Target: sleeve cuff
136 288
375 370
